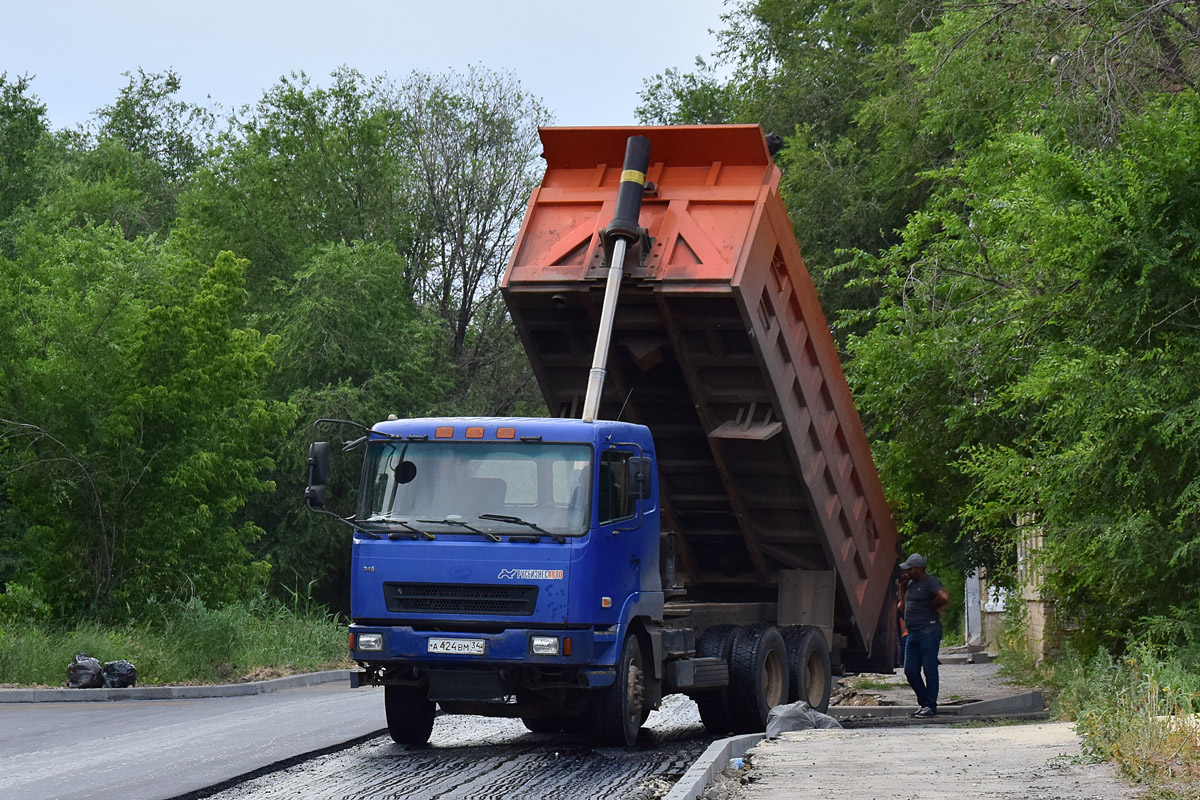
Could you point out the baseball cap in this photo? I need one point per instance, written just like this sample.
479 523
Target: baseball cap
915 560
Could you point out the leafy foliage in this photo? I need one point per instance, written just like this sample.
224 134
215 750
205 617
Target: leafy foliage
23 135
1041 316
377 219
310 166
998 205
134 420
472 140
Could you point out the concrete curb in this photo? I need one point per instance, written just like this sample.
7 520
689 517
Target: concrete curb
172 692
1016 704
711 761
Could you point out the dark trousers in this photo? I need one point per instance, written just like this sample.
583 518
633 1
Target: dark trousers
921 653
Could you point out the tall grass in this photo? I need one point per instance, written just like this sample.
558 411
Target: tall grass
191 644
1139 711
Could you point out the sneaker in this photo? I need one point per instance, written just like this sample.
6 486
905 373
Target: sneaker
918 713
925 713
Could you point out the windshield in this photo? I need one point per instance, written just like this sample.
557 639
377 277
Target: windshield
545 486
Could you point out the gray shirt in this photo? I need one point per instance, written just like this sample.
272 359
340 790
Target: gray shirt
918 600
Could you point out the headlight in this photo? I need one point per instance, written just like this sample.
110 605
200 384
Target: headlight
544 645
370 641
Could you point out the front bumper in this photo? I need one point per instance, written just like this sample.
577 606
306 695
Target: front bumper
404 645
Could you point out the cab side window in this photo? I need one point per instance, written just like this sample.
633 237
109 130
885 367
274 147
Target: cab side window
615 502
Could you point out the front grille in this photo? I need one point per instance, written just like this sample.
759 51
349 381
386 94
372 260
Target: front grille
460 598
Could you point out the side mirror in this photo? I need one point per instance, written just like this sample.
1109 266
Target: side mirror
318 474
639 477
314 496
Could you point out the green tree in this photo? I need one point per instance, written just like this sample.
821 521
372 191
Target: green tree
674 97
1034 364
23 139
134 421
350 347
377 218
148 118
472 142
437 170
832 80
307 167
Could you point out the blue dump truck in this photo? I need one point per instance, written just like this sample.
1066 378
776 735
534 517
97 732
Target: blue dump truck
702 515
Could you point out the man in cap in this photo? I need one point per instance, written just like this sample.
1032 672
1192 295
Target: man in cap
923 599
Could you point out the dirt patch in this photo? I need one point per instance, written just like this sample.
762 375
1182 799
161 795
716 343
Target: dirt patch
866 689
960 683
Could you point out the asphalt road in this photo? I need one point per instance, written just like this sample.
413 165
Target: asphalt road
481 758
320 741
155 749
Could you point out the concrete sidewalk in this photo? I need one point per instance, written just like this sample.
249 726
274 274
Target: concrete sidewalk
969 692
1039 760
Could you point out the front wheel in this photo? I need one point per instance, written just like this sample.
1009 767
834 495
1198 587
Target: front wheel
618 710
409 714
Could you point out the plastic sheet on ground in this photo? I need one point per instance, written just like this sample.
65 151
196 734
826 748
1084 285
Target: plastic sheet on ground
797 717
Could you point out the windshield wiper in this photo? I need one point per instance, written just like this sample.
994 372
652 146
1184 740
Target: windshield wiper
459 523
518 521
386 520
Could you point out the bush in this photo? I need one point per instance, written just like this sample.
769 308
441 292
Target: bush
1017 658
1140 712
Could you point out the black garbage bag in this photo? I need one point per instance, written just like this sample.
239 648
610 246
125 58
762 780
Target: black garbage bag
119 674
84 673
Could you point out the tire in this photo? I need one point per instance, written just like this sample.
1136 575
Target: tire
409 714
811 678
617 713
717 642
758 677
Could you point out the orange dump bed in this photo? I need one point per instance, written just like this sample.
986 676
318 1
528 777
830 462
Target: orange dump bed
720 347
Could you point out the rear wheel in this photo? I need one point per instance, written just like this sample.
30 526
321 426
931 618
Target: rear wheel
617 714
409 714
808 664
716 642
758 677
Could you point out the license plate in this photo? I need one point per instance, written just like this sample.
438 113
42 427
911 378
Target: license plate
458 647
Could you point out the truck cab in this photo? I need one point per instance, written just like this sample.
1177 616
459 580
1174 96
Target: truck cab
498 563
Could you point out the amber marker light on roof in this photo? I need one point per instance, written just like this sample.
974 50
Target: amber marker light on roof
506 433
474 433
445 432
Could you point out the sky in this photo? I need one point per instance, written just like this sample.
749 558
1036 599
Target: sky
586 59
